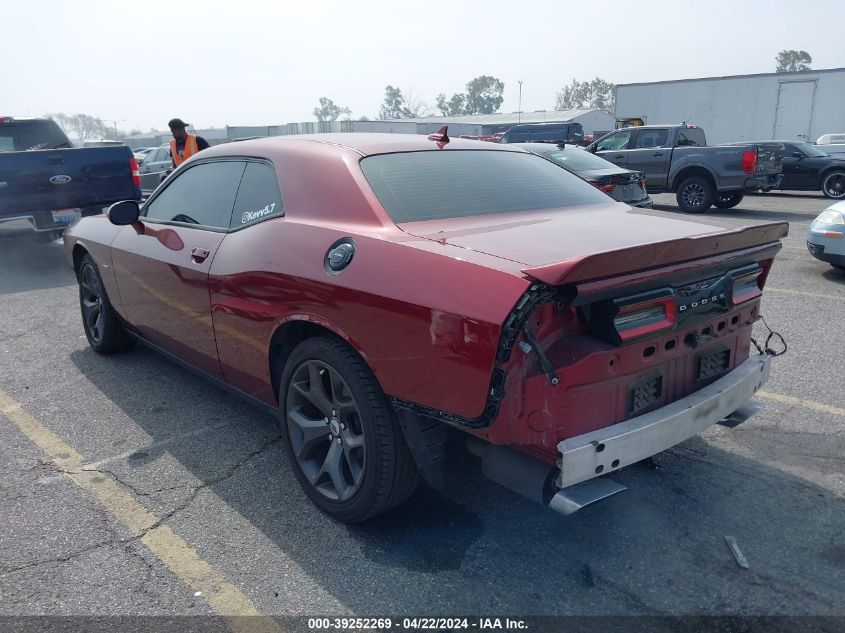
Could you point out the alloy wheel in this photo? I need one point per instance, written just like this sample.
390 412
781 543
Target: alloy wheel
834 185
325 430
91 296
693 195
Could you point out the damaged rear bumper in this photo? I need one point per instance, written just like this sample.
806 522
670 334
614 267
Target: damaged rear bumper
605 450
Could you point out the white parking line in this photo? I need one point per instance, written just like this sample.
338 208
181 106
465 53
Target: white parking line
807 404
174 552
801 293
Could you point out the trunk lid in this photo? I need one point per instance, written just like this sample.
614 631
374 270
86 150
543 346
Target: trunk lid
592 242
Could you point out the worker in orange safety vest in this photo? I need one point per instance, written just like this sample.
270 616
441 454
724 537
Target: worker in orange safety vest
183 145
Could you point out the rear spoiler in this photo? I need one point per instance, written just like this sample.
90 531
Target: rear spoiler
647 256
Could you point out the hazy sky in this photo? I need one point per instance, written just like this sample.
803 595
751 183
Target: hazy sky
146 61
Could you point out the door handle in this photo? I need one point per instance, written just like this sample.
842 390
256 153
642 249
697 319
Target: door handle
198 255
657 154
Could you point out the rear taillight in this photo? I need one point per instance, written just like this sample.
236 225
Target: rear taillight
645 317
745 284
607 188
136 175
749 161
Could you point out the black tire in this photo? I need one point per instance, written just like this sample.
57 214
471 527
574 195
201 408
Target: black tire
728 200
833 185
695 194
102 327
374 468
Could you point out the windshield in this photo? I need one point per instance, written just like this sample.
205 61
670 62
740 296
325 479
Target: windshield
574 159
431 185
811 151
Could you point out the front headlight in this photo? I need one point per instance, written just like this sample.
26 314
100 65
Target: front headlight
830 216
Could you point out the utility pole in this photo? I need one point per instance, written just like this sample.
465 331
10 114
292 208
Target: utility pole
114 123
519 111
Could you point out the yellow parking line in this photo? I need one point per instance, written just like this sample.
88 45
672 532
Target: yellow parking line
807 404
222 596
801 293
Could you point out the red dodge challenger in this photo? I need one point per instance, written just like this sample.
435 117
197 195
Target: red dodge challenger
385 291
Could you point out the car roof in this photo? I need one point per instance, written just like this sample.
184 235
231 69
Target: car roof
365 144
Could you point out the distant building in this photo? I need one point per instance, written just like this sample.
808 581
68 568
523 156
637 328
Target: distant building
592 120
798 106
214 136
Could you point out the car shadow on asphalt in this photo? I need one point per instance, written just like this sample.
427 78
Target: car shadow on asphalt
835 275
28 265
657 548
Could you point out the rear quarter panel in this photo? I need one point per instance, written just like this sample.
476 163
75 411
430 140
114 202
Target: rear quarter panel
426 323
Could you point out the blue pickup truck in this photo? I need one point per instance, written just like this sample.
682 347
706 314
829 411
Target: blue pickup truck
46 184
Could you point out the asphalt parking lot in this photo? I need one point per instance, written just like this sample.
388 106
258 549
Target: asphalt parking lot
203 479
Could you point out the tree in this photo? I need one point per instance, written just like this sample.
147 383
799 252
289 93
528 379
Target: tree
597 93
328 110
85 126
454 106
81 126
398 106
792 61
393 106
416 107
483 96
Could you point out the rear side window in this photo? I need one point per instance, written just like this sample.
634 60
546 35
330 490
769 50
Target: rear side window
651 138
258 196
203 194
430 185
691 136
40 135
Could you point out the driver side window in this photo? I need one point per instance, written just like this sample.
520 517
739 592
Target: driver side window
203 195
616 141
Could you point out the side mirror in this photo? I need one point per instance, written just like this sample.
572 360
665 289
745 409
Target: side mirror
797 155
124 213
591 148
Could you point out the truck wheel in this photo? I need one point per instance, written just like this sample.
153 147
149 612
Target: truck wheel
103 329
695 194
833 185
728 200
342 436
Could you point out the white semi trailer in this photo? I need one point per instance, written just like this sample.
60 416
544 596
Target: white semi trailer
799 106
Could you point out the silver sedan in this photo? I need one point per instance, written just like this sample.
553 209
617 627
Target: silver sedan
826 236
155 168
